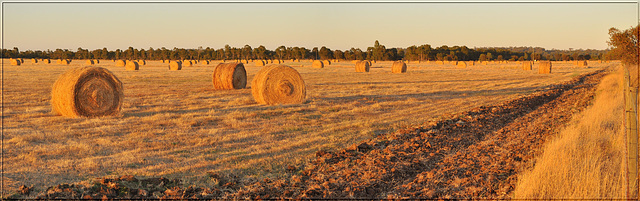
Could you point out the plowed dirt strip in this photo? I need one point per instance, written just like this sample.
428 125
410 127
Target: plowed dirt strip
476 154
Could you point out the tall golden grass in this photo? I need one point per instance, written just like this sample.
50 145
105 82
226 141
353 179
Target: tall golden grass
587 158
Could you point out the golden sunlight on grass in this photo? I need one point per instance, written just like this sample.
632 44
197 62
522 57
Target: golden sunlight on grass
587 158
174 124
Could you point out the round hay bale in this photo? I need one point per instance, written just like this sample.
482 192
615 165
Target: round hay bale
259 63
399 67
15 62
544 67
204 62
89 62
297 60
120 63
229 76
21 60
34 61
175 65
278 84
527 65
96 61
132 65
276 61
582 63
187 63
369 62
65 61
46 61
326 62
142 62
362 67
461 64
87 91
317 64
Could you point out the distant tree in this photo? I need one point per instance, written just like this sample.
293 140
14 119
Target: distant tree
325 53
440 57
378 51
246 52
337 54
314 53
483 57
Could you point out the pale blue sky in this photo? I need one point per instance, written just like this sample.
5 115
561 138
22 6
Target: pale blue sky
41 26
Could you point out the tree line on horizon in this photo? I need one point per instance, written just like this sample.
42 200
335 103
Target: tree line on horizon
377 52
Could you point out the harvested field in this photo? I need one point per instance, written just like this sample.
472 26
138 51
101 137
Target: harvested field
174 124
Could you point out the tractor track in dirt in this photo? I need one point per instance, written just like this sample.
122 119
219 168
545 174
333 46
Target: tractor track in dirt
476 154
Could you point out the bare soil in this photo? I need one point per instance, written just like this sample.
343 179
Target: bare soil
474 154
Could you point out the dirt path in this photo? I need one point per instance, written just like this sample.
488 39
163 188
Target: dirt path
476 154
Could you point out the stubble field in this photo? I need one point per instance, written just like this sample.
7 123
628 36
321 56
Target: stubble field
174 124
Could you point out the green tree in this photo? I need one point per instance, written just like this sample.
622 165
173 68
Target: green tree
483 57
624 44
378 51
246 52
280 51
325 53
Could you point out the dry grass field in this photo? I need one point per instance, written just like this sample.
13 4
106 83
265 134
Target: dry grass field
587 159
174 124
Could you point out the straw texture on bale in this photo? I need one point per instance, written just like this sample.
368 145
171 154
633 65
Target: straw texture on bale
461 64
87 91
175 65
278 84
229 76
399 67
89 62
120 63
317 64
187 63
544 67
362 67
527 65
259 63
15 62
132 65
